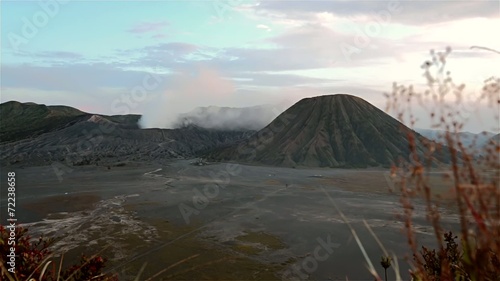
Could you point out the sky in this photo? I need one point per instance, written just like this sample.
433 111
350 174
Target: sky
163 58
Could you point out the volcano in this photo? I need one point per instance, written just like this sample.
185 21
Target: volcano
326 131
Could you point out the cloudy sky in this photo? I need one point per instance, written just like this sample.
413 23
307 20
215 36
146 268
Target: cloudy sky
119 57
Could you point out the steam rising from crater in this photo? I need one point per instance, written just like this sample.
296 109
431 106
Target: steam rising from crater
250 118
190 100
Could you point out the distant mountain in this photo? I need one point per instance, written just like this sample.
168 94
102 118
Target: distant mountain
229 118
34 134
494 140
326 131
469 140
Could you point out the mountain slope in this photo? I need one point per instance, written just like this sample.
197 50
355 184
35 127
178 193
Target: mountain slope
327 131
23 120
33 134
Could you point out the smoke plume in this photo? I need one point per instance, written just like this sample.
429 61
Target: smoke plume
207 100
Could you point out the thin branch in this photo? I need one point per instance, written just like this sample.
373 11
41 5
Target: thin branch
485 48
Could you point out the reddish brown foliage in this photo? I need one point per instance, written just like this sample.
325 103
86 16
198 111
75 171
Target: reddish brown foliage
475 181
33 255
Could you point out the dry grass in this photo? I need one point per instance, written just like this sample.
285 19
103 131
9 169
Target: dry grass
475 181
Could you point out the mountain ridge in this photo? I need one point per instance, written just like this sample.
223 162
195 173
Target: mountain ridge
326 131
468 139
34 134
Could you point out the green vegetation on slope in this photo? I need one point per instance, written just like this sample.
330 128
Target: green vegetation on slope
27 120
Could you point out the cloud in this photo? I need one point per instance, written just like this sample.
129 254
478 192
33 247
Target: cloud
264 27
174 48
405 12
172 55
277 80
76 78
146 27
159 36
315 45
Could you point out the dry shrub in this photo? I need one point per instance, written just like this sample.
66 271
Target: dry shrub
474 174
34 261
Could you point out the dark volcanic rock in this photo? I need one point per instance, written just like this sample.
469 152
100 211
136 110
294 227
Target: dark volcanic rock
326 131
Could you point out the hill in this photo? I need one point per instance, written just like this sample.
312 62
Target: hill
34 134
27 120
326 131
